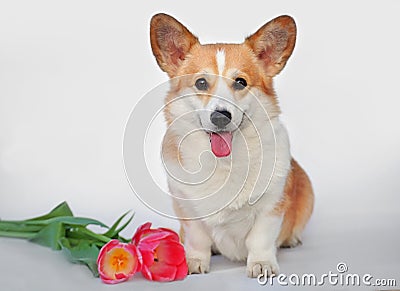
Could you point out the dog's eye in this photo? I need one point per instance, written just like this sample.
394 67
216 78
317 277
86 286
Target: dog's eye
201 84
239 84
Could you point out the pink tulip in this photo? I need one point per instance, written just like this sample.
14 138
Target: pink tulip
163 255
118 262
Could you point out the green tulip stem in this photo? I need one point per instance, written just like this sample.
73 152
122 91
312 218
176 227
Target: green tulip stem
14 234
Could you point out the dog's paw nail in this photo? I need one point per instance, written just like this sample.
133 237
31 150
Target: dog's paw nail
197 266
291 243
266 268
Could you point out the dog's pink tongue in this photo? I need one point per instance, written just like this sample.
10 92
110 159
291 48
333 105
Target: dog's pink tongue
221 143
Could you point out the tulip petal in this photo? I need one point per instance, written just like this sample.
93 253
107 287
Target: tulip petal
119 276
152 241
182 271
163 272
174 235
146 273
147 257
170 252
157 235
138 234
114 281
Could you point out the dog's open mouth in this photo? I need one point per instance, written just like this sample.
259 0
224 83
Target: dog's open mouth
221 143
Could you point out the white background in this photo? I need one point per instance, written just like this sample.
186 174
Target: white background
70 73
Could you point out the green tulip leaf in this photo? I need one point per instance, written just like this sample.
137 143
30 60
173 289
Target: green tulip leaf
50 235
113 231
84 233
18 227
81 252
60 210
17 234
70 220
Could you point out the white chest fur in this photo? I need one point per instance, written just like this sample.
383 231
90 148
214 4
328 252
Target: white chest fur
219 189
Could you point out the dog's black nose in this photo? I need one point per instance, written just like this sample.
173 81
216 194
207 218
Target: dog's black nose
220 118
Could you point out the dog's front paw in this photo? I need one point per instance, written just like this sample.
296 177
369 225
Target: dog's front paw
198 266
291 242
267 268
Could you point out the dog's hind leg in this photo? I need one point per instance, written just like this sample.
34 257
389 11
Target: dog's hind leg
297 205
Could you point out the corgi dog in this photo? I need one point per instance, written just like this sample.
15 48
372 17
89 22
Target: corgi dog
235 187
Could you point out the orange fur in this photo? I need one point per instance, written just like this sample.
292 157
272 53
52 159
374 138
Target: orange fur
296 205
240 62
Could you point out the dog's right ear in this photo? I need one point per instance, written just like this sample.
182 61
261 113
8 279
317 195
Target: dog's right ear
170 42
273 43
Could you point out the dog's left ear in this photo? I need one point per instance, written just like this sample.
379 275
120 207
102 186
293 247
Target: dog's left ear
171 42
273 43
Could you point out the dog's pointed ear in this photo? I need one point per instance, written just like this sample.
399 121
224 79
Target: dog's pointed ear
170 42
273 43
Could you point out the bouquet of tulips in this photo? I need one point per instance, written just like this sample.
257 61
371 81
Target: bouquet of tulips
156 253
